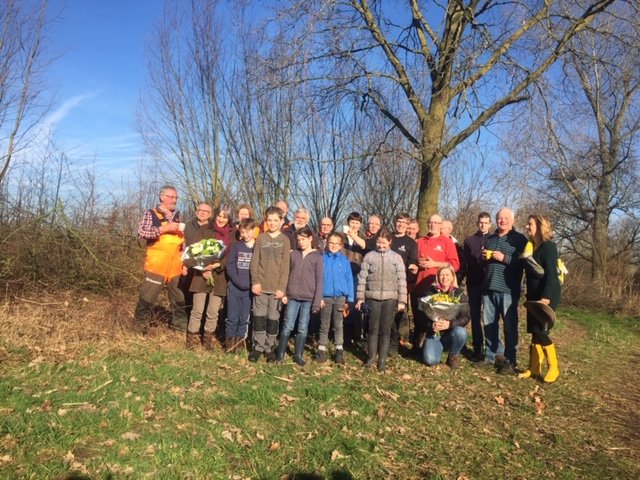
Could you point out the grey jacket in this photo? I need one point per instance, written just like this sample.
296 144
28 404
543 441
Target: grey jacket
382 277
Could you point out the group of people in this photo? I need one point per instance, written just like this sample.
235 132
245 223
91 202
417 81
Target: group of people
276 275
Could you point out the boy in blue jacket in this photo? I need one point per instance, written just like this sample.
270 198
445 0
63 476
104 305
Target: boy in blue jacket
336 293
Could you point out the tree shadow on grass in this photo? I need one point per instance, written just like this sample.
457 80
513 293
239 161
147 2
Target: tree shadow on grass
335 475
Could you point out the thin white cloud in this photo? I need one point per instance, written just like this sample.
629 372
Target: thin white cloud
54 118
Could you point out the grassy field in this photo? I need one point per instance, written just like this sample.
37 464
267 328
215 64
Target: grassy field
80 397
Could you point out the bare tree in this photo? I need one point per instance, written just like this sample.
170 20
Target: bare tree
259 125
179 119
437 72
329 175
22 30
583 141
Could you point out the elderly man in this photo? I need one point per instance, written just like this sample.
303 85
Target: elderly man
371 235
300 220
326 228
501 289
434 251
161 229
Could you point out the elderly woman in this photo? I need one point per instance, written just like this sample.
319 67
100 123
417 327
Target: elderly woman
543 285
443 334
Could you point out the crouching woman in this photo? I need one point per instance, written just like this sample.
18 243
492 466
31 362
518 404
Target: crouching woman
443 334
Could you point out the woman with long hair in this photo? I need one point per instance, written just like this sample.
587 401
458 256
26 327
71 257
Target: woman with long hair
543 285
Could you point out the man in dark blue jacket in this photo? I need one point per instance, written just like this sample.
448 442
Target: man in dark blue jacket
474 263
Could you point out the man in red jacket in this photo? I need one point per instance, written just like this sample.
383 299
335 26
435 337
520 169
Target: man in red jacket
434 251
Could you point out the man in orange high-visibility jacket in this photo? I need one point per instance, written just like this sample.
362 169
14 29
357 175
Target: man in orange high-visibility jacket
160 228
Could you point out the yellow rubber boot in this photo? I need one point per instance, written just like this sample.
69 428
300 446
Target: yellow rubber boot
552 362
535 362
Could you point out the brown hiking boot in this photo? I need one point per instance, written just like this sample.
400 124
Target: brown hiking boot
207 341
238 344
192 340
453 361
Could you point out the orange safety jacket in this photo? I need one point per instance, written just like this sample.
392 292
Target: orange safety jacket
164 255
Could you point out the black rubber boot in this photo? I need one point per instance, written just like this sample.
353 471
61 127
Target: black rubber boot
300 341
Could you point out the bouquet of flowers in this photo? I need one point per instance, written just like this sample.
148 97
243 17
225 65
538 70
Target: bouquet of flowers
532 267
441 304
200 254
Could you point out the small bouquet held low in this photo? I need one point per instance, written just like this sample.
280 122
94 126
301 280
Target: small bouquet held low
200 254
441 305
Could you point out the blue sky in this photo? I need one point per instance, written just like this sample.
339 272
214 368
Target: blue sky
97 79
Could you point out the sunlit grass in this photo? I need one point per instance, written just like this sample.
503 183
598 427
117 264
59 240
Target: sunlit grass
136 408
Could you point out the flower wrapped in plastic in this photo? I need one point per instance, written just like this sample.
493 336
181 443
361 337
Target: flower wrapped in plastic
533 268
441 305
200 254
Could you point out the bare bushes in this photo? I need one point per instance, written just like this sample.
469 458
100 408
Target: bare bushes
39 257
619 294
64 325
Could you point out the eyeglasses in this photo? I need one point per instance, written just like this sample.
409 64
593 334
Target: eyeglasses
173 197
334 244
326 225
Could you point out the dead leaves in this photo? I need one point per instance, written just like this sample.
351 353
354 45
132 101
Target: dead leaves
335 455
70 460
387 394
538 401
287 400
274 446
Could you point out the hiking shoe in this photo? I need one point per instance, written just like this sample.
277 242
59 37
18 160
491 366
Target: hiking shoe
271 357
254 355
484 365
339 357
453 361
476 358
507 369
299 360
321 356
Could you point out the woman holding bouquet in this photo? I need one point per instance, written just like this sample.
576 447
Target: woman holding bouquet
446 333
210 282
543 285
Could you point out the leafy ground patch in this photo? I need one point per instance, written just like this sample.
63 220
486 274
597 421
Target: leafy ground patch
80 395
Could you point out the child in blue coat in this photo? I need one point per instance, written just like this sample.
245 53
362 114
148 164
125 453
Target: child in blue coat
337 293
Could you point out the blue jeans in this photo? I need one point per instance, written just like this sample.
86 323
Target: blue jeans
452 340
238 311
296 310
494 306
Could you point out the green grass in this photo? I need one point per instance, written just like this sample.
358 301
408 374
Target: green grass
148 409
